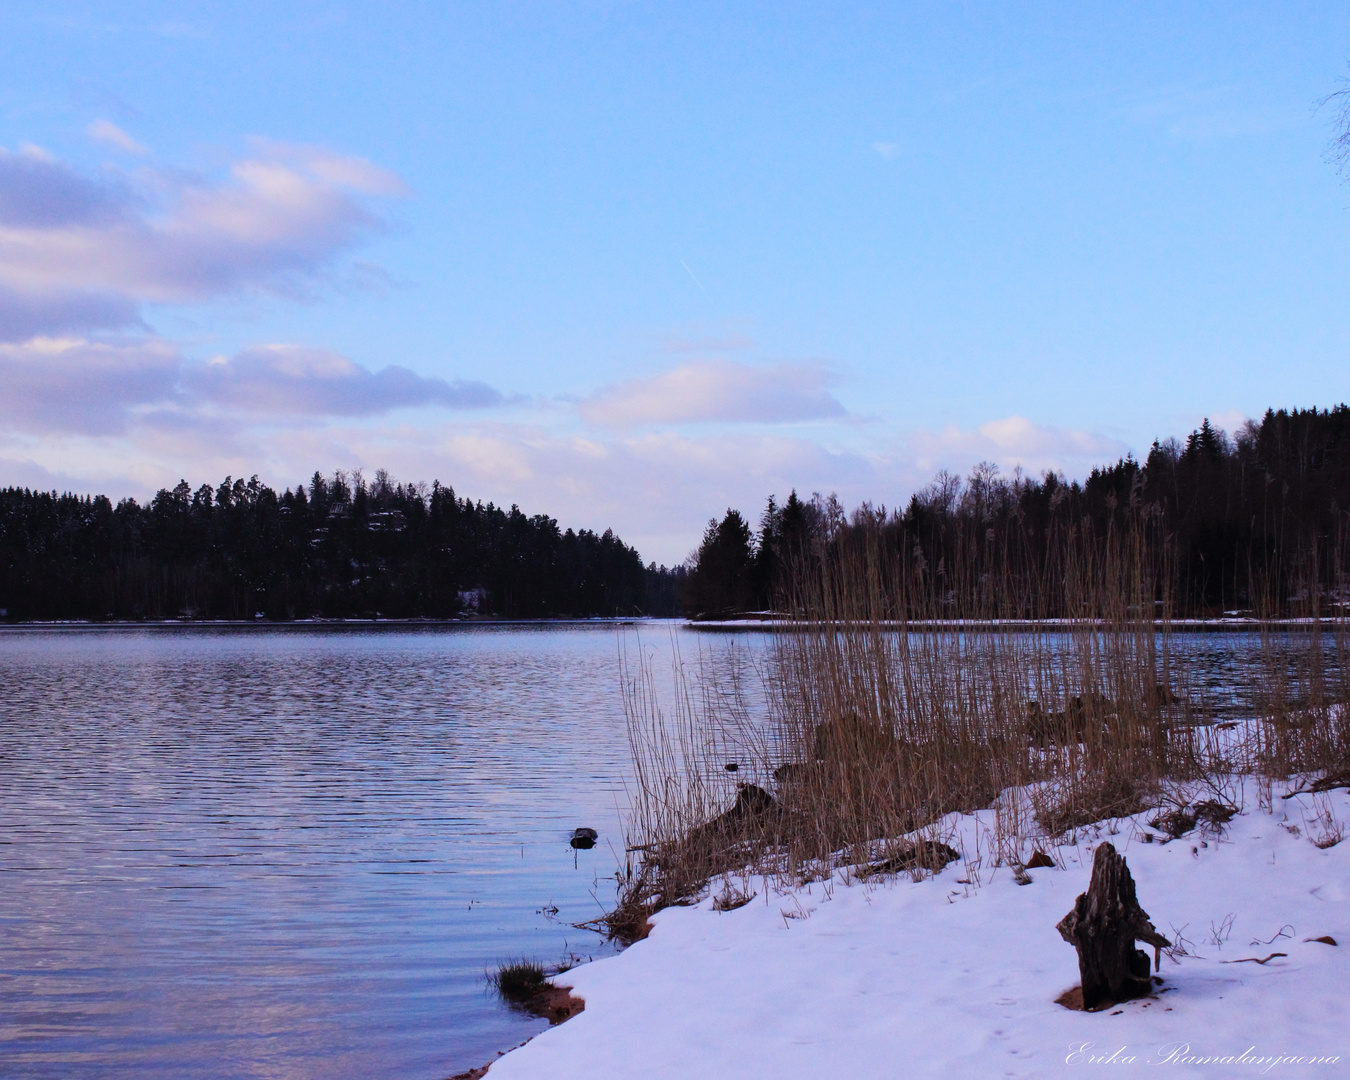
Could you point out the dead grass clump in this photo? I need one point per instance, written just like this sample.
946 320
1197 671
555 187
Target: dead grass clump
1087 799
1214 813
1175 823
630 919
730 899
881 714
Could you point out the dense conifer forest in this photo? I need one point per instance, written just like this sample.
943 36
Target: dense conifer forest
339 548
1256 520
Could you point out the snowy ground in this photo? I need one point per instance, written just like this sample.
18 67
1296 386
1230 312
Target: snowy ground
938 978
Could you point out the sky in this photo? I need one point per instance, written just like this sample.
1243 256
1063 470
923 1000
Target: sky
631 264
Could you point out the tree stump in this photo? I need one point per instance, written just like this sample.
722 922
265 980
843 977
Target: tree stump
1103 926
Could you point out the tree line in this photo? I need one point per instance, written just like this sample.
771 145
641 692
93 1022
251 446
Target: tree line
339 547
1256 520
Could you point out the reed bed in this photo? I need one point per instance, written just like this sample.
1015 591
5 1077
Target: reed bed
895 693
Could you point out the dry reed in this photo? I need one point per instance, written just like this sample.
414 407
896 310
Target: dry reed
896 693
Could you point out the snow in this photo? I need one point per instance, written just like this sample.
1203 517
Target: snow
937 978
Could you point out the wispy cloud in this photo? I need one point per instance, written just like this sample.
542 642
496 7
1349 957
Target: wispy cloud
709 391
25 314
108 133
1208 113
179 29
889 150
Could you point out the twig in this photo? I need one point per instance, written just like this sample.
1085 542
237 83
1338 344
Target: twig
1254 960
1286 927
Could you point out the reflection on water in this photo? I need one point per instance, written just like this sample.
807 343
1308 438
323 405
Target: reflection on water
292 852
1229 675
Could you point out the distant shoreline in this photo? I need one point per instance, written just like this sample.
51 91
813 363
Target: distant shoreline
1234 624
1241 624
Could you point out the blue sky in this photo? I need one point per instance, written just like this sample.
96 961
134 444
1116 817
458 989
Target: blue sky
631 263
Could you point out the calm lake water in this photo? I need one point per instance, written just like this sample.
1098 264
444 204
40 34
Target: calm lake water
292 851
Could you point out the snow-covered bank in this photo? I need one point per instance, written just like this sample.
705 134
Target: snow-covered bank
939 978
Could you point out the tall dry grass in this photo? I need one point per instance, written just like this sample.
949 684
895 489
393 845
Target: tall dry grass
896 692
1304 683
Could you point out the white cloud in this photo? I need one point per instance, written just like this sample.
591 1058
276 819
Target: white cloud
1230 421
889 150
105 131
81 253
74 385
717 391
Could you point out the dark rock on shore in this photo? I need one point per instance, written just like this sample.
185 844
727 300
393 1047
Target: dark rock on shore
753 809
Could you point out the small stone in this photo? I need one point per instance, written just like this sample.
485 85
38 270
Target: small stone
584 839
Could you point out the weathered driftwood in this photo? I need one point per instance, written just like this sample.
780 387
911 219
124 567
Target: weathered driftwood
1103 926
928 854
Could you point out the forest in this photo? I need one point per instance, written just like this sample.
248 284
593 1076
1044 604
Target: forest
1232 523
341 548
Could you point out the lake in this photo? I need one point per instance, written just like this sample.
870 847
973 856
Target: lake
293 851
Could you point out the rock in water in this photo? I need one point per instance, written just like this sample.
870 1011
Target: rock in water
1103 926
584 839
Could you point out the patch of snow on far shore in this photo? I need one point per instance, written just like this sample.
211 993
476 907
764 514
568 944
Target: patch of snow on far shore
938 978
